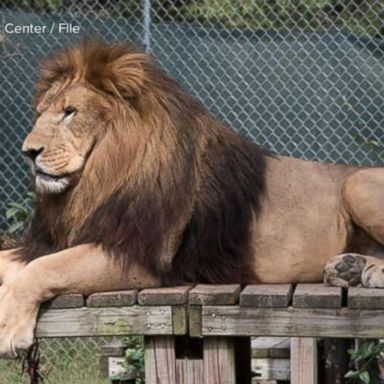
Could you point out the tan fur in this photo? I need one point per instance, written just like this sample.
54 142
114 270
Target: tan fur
135 130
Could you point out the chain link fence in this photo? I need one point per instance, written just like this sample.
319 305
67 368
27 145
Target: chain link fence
62 361
302 77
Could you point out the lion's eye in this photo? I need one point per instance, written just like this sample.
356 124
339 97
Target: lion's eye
69 111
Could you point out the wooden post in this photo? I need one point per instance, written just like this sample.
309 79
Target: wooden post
160 360
303 360
189 360
189 371
219 360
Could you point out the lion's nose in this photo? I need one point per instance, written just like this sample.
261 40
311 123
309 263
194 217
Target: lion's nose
32 153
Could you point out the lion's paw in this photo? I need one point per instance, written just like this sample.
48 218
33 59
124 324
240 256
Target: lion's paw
345 270
17 322
373 275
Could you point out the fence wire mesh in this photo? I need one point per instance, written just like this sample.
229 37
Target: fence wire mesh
62 361
302 77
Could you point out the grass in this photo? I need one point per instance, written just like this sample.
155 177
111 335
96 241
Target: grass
73 372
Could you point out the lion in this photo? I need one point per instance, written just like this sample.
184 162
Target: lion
138 185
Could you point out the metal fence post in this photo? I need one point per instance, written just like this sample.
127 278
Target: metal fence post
147 25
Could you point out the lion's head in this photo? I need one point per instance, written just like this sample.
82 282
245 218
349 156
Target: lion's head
121 156
76 102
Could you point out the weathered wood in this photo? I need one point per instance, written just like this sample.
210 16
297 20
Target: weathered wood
65 301
303 361
219 360
317 296
164 296
189 371
266 295
214 294
270 348
111 354
112 299
302 322
105 321
160 360
179 320
365 298
194 323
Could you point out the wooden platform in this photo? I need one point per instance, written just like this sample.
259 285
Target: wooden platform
223 317
161 311
307 310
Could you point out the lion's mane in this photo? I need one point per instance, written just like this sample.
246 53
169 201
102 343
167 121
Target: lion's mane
167 186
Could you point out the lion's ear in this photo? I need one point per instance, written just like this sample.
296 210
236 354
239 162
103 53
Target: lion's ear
125 77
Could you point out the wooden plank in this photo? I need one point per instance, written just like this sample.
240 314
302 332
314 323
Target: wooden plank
105 321
179 320
270 348
266 295
304 322
365 298
112 299
204 294
303 360
164 296
194 321
219 360
65 301
317 296
160 360
189 371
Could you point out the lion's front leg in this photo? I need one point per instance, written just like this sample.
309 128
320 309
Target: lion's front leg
82 269
18 312
353 269
10 264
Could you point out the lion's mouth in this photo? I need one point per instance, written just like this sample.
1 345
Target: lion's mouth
47 177
47 183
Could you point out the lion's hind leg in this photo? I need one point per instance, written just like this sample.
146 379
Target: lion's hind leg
363 204
353 269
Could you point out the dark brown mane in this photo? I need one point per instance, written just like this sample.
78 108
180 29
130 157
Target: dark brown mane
184 210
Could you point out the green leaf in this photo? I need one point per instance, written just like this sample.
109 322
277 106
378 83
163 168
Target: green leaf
11 212
351 374
374 143
365 351
18 206
364 377
15 227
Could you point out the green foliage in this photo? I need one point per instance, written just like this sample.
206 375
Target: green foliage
18 213
365 357
363 17
134 355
